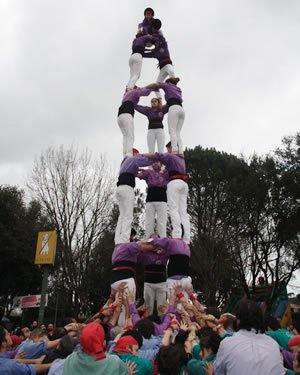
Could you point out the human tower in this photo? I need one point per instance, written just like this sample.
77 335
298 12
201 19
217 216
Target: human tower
166 260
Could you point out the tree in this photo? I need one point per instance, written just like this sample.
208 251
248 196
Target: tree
76 192
19 225
215 182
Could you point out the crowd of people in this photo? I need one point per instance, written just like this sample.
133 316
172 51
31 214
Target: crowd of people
184 337
171 332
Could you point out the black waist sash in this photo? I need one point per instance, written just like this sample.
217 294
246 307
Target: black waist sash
126 179
175 175
155 273
156 194
179 265
122 270
163 61
138 49
174 101
126 107
155 124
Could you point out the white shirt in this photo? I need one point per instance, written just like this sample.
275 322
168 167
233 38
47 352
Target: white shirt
248 353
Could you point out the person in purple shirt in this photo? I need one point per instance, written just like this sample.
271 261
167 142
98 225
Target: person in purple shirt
177 192
179 262
176 113
155 115
155 286
126 114
125 194
124 260
162 54
156 201
136 58
145 26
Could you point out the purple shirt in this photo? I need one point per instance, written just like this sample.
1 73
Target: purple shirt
150 257
142 40
152 114
126 251
172 162
158 328
155 178
288 358
172 246
161 51
133 163
145 26
135 94
171 91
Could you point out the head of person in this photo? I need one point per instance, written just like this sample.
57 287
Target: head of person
5 340
58 333
294 344
43 327
38 335
149 14
204 331
156 166
154 103
66 346
169 147
155 25
135 152
271 323
26 332
170 359
130 341
209 344
16 341
50 327
173 80
296 364
34 324
230 323
249 316
145 327
92 340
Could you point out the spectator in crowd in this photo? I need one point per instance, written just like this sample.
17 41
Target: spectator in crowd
274 330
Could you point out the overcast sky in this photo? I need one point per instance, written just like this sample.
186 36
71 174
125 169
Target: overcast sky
64 68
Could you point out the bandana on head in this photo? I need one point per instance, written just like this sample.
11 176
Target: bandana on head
125 341
91 340
294 341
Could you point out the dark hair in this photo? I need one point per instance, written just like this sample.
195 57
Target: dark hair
66 345
211 310
230 323
250 316
173 80
19 332
58 333
145 327
271 322
136 335
2 335
156 24
149 10
180 338
170 359
204 331
38 332
211 341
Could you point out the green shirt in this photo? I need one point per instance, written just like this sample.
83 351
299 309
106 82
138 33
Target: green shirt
282 336
79 363
195 367
196 352
144 366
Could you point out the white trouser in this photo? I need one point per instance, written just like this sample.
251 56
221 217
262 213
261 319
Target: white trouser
157 135
125 122
130 285
161 211
175 122
125 199
177 193
186 283
135 64
167 70
155 292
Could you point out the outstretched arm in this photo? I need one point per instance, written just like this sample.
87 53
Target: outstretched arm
152 86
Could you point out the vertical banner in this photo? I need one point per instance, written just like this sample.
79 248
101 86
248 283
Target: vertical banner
45 248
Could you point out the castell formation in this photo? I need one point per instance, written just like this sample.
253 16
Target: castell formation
165 260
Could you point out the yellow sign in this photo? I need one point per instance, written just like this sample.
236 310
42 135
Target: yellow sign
45 248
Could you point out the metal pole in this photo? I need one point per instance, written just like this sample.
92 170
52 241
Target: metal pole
56 308
43 294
